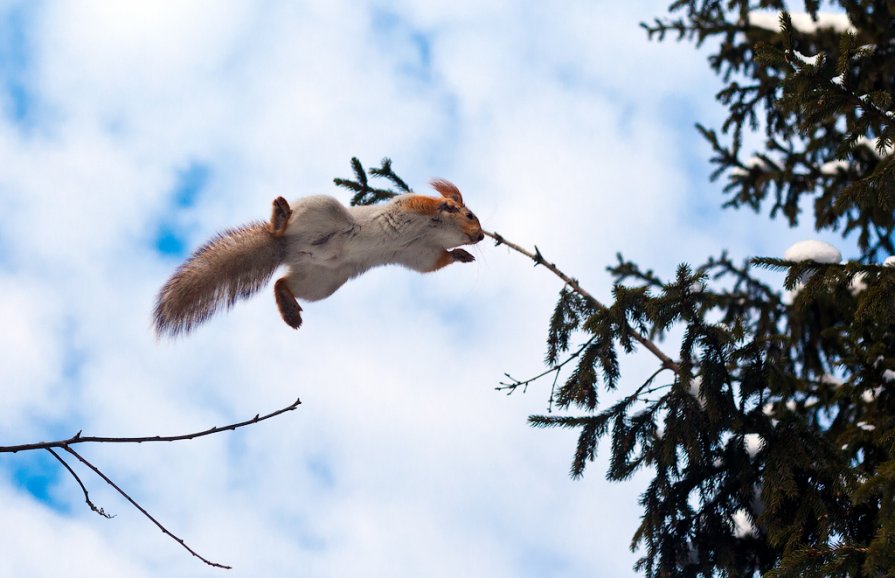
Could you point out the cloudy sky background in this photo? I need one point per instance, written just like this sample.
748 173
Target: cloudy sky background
131 132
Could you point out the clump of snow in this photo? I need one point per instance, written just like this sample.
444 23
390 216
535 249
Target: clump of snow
768 409
742 524
870 394
857 284
695 385
809 250
801 21
873 145
750 163
753 443
810 60
791 405
866 426
813 250
831 380
889 375
834 167
889 262
766 20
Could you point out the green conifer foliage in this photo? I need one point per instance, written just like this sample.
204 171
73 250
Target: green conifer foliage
771 438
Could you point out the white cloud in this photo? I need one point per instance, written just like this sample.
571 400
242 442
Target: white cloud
402 460
32 353
40 543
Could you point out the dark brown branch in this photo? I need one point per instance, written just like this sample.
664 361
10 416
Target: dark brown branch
92 506
142 510
667 362
78 438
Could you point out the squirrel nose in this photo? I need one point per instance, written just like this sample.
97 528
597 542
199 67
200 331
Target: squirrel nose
481 236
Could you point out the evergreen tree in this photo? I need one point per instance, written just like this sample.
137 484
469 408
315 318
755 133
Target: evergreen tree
772 437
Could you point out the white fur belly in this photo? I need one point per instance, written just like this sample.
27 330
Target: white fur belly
329 244
313 283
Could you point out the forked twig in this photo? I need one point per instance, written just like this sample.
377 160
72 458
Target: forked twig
79 439
514 383
87 499
143 511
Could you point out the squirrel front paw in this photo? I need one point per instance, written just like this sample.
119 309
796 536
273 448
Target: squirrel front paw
462 256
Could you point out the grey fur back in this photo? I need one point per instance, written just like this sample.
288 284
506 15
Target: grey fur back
233 265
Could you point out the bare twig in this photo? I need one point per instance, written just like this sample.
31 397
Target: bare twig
92 506
514 383
538 258
142 510
79 439
642 390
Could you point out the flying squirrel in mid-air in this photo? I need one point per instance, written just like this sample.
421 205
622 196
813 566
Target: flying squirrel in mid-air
324 244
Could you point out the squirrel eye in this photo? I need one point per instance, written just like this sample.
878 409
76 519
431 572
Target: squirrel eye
469 215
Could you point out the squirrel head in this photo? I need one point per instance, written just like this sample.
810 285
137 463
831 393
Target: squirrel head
460 224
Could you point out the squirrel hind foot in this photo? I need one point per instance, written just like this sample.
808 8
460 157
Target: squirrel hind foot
279 218
289 308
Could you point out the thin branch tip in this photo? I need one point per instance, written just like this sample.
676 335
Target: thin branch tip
93 507
142 510
538 258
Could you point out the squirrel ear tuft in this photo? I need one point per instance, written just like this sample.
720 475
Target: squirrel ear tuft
447 189
446 207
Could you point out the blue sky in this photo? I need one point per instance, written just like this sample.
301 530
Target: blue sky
189 185
14 64
131 132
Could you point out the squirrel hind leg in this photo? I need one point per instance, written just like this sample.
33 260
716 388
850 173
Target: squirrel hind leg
289 308
279 218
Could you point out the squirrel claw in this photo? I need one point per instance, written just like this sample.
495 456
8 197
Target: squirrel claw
462 255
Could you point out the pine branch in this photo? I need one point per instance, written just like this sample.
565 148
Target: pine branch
538 258
364 193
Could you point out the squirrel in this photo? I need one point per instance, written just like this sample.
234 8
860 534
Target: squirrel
324 244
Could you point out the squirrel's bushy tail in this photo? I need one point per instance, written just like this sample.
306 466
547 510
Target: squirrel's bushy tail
234 264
